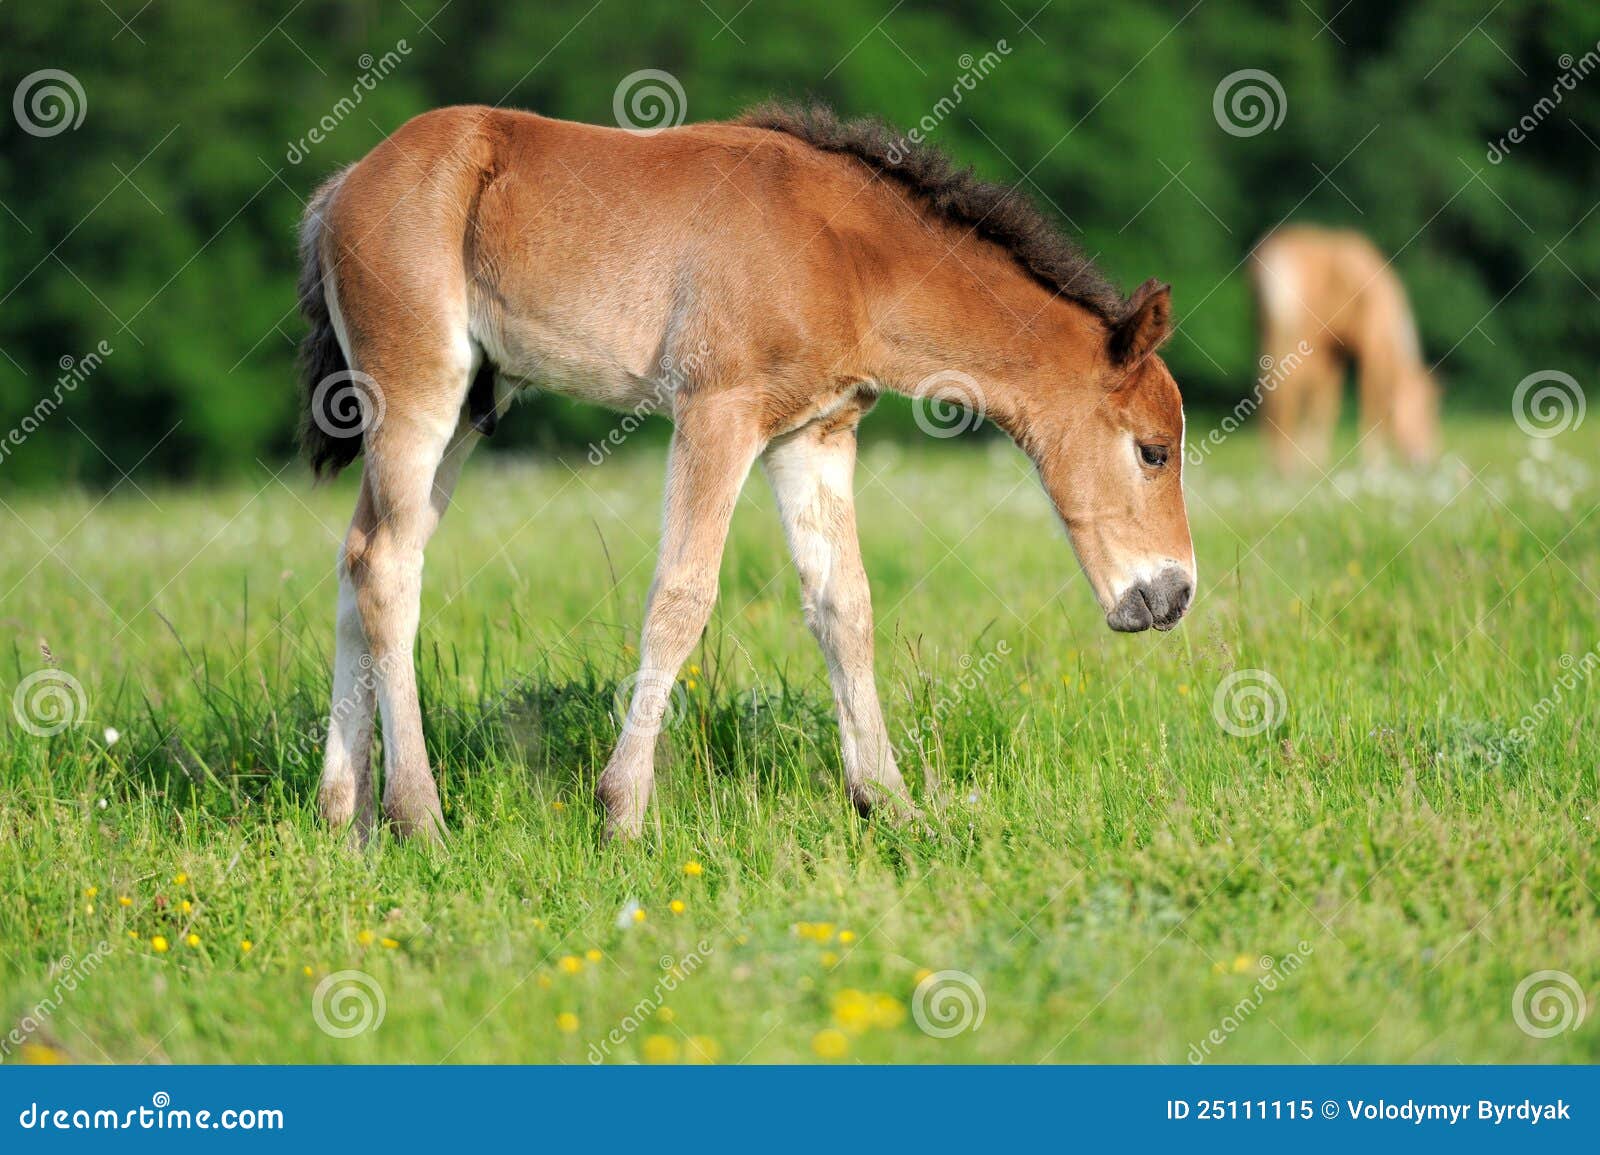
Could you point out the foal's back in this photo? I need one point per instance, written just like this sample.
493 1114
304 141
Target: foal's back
593 259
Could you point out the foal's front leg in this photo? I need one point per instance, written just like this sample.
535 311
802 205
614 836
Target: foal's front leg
712 450
812 473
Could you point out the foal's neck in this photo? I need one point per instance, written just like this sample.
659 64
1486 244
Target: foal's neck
967 318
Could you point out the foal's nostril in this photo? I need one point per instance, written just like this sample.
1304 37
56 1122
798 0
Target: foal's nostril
1169 597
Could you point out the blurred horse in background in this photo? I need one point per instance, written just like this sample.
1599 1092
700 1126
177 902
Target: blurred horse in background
1333 292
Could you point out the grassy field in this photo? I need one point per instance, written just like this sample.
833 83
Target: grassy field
1341 858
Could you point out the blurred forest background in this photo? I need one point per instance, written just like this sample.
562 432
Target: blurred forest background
163 224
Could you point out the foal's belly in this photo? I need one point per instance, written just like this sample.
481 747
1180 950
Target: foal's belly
593 354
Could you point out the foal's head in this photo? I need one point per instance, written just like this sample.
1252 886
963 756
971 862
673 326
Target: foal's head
1110 453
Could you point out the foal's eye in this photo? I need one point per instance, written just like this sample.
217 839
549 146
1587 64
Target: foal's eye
1155 456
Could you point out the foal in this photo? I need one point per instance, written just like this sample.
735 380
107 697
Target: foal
1333 292
786 268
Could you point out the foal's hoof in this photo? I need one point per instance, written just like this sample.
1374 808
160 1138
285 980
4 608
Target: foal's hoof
623 829
414 817
893 806
336 802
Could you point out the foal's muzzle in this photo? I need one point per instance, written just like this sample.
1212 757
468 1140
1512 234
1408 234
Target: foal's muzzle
1159 602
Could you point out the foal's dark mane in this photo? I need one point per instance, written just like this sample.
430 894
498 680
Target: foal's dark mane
993 211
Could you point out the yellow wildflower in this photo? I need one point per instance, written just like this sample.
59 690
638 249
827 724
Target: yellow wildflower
570 964
124 900
700 1049
246 946
158 944
180 879
846 937
594 954
388 943
307 971
566 1022
829 959
192 939
676 906
91 891
693 869
660 1049
666 1014
365 938
887 1012
852 1011
830 1044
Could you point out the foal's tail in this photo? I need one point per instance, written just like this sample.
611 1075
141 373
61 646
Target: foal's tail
320 354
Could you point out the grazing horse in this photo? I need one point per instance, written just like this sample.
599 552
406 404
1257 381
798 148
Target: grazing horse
1333 293
762 281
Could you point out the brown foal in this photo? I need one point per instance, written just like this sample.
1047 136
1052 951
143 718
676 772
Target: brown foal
788 267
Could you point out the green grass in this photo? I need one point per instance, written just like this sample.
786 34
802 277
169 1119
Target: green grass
1104 859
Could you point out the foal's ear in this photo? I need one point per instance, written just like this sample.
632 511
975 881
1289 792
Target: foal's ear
1147 325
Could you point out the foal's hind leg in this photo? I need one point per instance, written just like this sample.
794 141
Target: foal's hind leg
712 450
346 789
347 786
811 472
412 457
